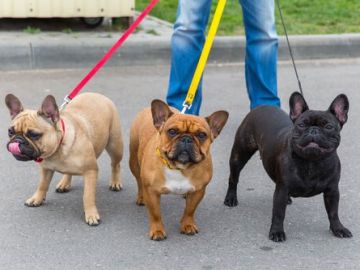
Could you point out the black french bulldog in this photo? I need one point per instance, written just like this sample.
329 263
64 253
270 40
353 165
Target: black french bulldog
298 153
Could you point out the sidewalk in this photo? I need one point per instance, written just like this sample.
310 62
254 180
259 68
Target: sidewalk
149 46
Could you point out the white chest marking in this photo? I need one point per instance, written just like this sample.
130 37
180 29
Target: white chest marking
176 183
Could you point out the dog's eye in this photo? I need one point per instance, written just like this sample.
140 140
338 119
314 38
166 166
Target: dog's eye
11 132
201 135
172 132
301 125
329 126
33 135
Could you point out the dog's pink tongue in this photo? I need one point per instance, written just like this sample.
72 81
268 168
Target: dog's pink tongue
14 148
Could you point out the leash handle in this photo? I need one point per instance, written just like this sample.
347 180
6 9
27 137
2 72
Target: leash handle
111 51
289 46
204 56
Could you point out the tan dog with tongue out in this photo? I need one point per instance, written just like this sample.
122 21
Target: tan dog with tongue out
68 142
170 154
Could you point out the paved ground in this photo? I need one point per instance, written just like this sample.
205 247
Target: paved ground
55 236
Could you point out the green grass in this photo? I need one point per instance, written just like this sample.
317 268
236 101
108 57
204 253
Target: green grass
67 31
32 30
152 32
301 16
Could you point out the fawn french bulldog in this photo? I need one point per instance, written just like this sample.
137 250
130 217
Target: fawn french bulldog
68 142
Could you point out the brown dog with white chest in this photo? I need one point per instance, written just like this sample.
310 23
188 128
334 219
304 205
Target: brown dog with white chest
68 142
170 154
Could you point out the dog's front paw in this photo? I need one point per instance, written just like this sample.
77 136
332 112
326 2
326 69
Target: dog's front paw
189 229
231 199
157 232
341 232
92 217
277 236
35 201
157 235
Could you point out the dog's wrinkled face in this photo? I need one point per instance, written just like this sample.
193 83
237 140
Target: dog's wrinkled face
316 134
185 139
32 134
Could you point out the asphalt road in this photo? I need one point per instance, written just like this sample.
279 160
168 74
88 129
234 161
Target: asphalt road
55 236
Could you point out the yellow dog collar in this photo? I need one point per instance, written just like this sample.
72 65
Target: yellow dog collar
164 160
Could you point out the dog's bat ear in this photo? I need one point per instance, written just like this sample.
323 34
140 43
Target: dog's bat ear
297 105
160 112
340 108
217 121
49 109
14 105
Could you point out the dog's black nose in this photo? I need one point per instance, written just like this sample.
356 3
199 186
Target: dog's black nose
186 139
20 139
314 131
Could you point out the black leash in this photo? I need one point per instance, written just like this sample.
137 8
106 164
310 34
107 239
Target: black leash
289 46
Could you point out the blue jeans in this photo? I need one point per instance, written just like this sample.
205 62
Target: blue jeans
261 51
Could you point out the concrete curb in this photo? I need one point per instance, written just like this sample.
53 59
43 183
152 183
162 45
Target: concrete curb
43 52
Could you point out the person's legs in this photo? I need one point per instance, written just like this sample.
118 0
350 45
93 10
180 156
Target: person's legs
186 45
261 52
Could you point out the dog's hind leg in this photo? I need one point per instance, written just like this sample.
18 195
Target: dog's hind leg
243 149
135 166
115 151
64 184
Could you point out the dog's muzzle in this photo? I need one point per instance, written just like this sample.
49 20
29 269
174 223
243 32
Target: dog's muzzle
21 149
184 151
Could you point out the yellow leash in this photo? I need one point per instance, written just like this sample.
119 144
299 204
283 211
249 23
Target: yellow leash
204 56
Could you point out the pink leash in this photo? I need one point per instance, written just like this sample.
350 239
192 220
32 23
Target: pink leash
107 56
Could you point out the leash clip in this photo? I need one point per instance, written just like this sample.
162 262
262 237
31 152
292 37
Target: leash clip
66 102
185 107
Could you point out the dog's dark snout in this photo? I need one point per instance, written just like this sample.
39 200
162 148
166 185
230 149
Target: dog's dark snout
314 131
186 139
20 140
